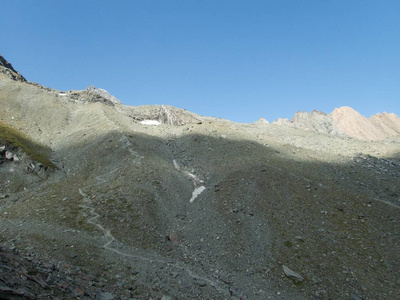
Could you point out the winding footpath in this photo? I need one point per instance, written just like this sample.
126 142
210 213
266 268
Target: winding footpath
109 239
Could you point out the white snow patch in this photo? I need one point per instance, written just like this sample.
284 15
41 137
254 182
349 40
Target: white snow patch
197 191
150 122
176 165
198 183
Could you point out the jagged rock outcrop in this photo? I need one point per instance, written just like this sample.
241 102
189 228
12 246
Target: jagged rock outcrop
96 93
316 120
283 121
92 94
7 68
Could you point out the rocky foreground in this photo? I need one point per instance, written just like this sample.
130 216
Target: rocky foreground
104 201
26 276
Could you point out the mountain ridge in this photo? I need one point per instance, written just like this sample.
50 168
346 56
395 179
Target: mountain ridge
346 121
341 121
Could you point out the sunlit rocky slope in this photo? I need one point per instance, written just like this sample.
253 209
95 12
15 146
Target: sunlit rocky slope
346 121
101 200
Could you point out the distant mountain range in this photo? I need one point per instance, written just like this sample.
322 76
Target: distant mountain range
347 121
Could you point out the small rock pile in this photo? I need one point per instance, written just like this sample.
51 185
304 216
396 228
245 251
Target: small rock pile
9 153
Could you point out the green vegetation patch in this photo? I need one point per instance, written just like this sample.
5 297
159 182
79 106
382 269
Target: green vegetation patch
35 150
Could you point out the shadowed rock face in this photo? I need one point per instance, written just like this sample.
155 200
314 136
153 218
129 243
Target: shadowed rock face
6 64
282 210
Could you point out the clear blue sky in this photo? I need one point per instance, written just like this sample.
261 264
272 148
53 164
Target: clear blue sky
238 60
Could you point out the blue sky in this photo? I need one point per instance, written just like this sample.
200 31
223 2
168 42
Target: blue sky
238 60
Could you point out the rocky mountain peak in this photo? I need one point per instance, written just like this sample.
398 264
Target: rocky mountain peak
388 123
354 124
7 68
346 121
5 63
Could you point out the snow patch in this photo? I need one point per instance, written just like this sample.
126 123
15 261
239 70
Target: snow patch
176 165
197 191
150 122
198 183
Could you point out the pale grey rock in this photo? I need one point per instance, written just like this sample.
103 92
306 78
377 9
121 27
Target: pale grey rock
9 155
262 120
317 121
91 90
283 121
292 274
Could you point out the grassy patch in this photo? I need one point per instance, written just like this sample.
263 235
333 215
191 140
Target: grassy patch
36 151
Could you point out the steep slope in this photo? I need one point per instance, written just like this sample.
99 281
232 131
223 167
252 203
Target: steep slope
118 217
355 125
388 124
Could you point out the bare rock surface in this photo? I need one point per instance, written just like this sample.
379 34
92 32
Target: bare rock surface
387 124
348 122
356 125
262 121
316 121
8 69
